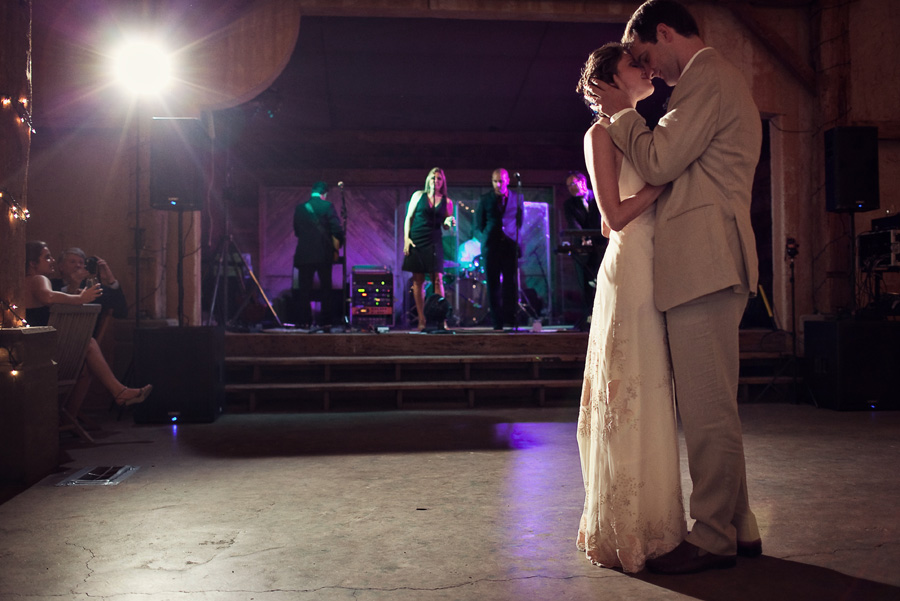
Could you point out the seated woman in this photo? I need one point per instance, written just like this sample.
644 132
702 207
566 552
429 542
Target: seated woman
39 295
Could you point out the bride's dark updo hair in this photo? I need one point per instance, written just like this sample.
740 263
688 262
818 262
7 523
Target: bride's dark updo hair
33 250
602 64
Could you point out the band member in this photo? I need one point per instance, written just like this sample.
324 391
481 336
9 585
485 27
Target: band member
319 238
498 220
581 212
429 212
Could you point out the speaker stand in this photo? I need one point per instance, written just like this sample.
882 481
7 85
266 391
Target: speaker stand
852 264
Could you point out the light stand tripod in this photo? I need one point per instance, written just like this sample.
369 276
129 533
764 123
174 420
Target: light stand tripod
227 253
224 263
793 364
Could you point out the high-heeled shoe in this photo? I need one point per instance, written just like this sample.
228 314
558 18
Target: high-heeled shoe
142 395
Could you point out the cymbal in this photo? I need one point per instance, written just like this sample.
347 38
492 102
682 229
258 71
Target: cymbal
578 233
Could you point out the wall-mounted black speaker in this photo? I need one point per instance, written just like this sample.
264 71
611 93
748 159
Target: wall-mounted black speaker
179 162
851 169
186 366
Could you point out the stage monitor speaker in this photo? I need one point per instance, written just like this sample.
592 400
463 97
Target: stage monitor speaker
851 169
179 160
186 366
852 365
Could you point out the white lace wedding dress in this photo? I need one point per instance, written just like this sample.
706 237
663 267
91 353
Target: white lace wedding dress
627 435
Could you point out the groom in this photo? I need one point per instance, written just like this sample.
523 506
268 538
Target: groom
705 264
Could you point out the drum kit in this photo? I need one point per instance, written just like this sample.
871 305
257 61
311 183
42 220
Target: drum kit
472 289
467 279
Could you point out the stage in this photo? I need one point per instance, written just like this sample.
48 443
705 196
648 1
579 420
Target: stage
295 370
451 368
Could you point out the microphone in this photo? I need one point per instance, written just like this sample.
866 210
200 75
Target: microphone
341 185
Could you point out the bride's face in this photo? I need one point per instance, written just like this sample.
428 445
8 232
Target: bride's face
634 80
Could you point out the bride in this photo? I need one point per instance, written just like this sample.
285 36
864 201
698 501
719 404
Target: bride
627 436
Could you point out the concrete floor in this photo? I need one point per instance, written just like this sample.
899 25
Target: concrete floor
431 505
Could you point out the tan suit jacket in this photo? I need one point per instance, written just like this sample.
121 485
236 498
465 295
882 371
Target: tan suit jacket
707 145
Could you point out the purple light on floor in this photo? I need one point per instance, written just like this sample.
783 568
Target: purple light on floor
516 436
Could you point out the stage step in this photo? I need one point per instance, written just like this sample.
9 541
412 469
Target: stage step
273 367
467 373
469 386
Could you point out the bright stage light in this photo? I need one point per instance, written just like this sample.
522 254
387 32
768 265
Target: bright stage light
142 67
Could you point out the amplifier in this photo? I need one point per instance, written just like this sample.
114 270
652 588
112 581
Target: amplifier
891 222
852 365
879 251
186 366
372 296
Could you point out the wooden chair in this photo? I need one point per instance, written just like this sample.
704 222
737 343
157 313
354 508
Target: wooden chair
82 387
74 325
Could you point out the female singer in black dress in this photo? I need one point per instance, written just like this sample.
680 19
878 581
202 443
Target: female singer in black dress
430 210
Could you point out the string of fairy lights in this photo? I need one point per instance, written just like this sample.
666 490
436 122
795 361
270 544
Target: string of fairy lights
21 108
17 213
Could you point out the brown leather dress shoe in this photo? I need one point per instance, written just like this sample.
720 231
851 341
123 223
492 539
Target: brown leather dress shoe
687 559
751 548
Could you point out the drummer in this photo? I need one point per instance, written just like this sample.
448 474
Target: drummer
581 212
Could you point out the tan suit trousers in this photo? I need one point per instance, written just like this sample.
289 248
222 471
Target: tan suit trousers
704 345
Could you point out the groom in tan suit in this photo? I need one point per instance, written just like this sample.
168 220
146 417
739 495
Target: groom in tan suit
707 146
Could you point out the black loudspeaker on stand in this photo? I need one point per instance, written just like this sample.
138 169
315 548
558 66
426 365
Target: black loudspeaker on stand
186 366
851 181
851 169
179 156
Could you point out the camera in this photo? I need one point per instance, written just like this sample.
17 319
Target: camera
91 265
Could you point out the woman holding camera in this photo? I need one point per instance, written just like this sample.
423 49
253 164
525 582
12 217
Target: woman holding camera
39 295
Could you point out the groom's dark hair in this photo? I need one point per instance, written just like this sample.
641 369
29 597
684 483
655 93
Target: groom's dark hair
653 12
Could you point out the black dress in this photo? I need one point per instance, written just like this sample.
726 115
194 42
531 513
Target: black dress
425 231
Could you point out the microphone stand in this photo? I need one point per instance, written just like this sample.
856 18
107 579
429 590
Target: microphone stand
519 293
345 287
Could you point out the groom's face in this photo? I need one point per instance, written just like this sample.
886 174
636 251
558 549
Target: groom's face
657 59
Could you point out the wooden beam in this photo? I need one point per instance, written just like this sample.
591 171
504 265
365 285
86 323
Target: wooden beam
590 11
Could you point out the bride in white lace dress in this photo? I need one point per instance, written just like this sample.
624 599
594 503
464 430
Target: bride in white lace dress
627 435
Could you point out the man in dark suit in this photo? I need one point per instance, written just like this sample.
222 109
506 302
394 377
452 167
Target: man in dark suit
581 212
319 237
498 220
